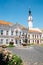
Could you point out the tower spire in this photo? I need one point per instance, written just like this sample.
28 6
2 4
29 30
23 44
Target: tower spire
29 11
30 19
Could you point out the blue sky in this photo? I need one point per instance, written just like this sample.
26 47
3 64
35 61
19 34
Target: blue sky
17 11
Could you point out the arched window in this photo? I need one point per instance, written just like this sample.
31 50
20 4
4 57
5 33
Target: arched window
33 35
1 32
12 32
6 41
20 41
1 41
6 32
40 36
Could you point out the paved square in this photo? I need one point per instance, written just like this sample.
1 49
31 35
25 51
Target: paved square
31 56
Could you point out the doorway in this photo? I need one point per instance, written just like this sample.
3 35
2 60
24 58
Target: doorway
37 41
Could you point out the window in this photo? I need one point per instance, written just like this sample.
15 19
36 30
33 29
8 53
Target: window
33 41
1 32
23 34
35 36
29 41
20 41
20 33
25 40
40 36
29 36
11 32
1 41
11 40
16 42
6 32
16 33
6 41
37 41
26 35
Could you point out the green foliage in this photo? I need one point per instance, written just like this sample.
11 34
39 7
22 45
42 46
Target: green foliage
11 44
30 44
6 58
41 44
15 61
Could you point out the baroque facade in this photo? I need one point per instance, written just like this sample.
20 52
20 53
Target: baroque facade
19 34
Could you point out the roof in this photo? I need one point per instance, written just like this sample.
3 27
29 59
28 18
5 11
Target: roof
34 30
5 23
21 26
24 28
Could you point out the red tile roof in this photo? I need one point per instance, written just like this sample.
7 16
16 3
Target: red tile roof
4 22
35 31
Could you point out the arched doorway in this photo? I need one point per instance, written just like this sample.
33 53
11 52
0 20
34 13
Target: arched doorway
37 41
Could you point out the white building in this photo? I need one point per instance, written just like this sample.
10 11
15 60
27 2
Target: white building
34 33
19 34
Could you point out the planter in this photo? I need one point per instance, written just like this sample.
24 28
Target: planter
24 44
